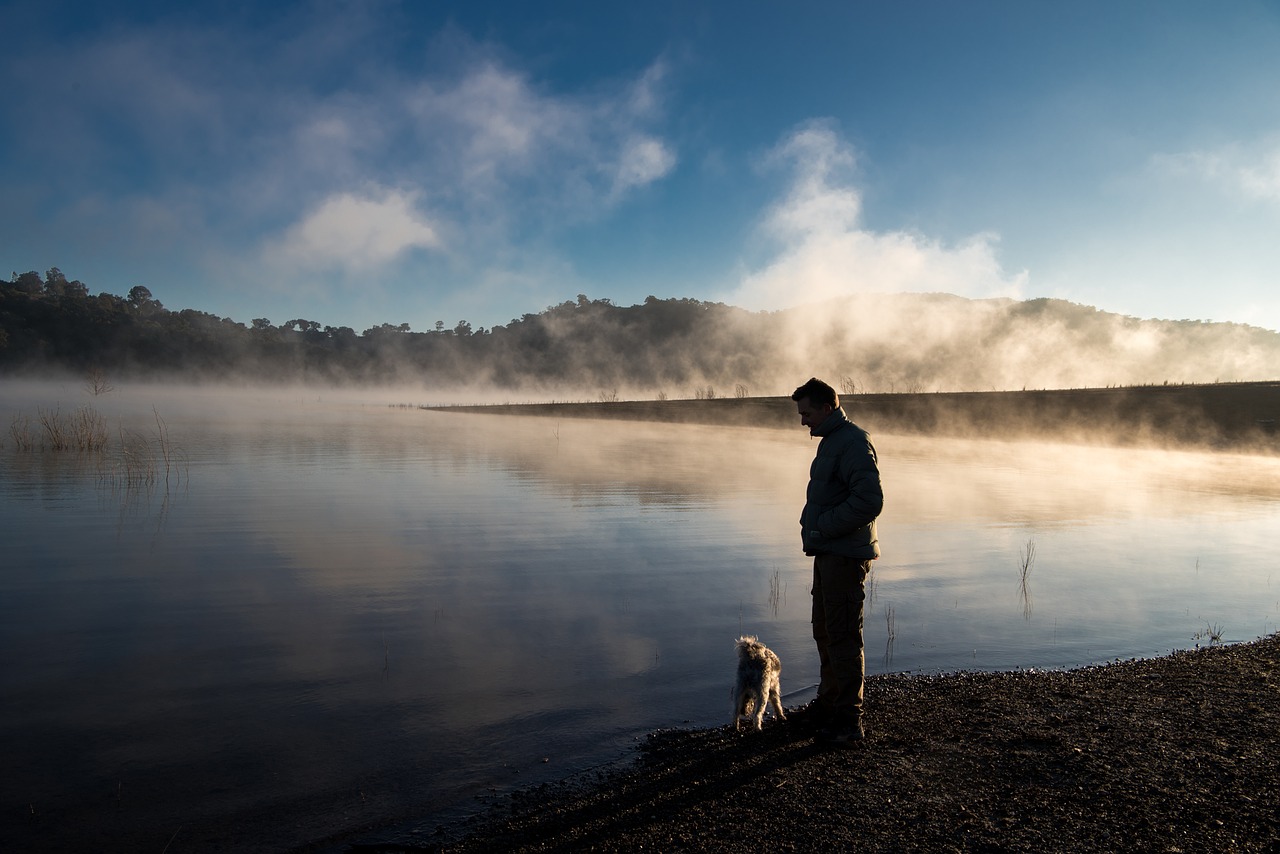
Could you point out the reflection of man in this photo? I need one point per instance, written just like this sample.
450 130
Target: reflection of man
838 528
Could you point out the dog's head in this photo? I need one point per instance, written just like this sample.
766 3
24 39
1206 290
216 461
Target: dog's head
747 644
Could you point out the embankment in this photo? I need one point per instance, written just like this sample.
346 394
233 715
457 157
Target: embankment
1229 416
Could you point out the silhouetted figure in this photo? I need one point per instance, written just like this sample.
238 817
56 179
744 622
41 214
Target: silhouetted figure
838 528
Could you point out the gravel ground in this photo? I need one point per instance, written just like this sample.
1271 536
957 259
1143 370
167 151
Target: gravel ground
1174 754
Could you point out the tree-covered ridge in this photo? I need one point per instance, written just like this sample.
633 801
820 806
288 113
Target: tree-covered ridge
52 324
680 347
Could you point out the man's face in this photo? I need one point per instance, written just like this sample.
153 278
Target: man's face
810 415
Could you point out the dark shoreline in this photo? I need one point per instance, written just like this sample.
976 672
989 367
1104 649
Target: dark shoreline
1222 416
1178 753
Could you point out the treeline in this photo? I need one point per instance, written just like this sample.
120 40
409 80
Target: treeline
50 324
677 347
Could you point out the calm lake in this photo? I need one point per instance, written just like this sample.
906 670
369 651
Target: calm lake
321 613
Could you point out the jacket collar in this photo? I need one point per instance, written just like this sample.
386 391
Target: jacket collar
833 422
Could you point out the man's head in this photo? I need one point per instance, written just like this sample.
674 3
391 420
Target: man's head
815 401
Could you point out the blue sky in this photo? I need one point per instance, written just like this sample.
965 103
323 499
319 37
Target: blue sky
376 162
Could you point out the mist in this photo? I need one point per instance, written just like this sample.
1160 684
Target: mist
592 349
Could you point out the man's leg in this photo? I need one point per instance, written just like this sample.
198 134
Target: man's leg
839 593
827 688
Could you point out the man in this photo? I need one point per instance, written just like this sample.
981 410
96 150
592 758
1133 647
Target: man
838 528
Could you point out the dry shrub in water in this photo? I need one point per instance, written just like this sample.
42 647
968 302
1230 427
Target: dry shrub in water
136 466
96 382
143 461
21 433
88 429
55 431
82 430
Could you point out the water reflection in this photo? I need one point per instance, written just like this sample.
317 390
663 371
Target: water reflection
354 611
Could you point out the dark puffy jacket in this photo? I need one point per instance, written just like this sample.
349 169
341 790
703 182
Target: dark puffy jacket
844 496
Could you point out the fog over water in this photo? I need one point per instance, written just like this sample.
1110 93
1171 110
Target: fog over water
338 610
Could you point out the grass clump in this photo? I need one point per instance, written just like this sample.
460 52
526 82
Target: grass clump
1212 632
144 461
24 438
135 460
82 430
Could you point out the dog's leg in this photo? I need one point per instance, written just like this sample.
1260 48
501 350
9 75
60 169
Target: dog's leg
775 695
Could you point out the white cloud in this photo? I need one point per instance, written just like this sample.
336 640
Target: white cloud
491 121
646 95
498 145
816 204
1252 171
644 160
355 233
825 251
1261 179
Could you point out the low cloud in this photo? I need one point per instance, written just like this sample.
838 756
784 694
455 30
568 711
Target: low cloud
1248 170
491 124
645 159
493 138
356 233
822 250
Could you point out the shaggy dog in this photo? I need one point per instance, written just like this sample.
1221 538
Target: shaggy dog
759 682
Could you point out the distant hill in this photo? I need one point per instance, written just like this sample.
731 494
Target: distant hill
676 348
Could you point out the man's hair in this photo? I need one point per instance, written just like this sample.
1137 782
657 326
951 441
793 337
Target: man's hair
818 392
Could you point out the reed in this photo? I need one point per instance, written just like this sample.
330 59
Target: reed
138 461
135 464
55 429
88 429
163 445
143 461
165 850
21 433
1212 632
776 591
891 633
1027 558
83 430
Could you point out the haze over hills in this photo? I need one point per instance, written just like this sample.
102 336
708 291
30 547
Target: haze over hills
939 342
663 347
